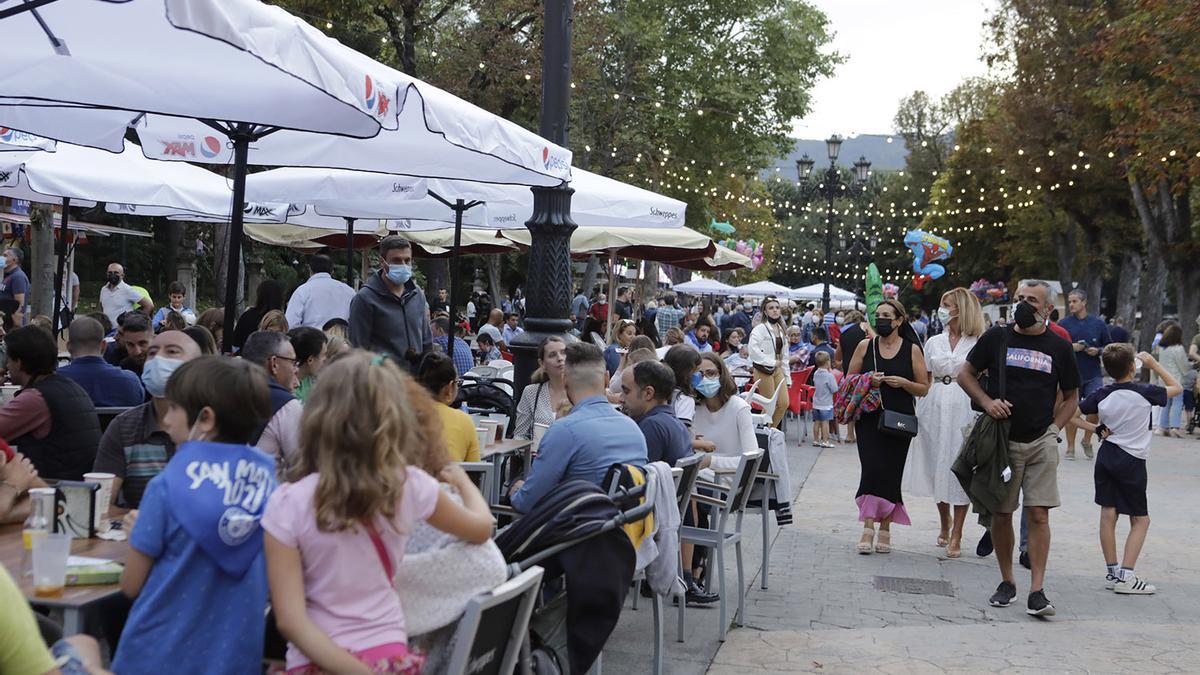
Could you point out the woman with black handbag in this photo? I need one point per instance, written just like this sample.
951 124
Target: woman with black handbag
898 372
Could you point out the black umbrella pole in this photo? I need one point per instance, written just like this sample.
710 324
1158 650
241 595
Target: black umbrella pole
350 252
459 207
60 269
241 149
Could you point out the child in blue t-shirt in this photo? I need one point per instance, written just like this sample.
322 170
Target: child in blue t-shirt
1125 425
196 572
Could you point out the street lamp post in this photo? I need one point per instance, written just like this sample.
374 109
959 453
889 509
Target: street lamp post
831 187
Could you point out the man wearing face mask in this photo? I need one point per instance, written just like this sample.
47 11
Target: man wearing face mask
134 447
389 314
588 440
1038 364
118 297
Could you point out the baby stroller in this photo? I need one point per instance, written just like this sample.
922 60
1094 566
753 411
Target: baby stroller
576 534
484 393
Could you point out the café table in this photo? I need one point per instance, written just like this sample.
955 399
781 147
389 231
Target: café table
75 600
499 451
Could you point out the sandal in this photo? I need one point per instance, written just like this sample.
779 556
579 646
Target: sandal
865 545
883 544
942 541
954 549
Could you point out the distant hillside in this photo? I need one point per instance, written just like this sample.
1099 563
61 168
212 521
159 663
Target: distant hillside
882 155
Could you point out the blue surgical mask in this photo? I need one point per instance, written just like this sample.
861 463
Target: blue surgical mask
695 380
156 372
709 386
399 274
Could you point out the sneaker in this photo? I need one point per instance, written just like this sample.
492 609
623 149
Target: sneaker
1071 455
1004 594
1110 581
984 548
1133 586
1088 450
1023 559
1039 605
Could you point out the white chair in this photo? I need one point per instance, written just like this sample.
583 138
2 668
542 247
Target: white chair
752 397
494 627
723 533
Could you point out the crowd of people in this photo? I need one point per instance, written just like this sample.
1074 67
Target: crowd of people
320 514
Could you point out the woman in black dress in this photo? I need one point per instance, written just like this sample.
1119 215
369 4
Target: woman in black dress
898 368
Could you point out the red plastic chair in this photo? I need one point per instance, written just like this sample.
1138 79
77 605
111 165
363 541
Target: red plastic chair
507 356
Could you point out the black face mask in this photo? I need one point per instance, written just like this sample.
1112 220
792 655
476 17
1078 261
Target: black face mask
884 327
114 278
774 319
1025 315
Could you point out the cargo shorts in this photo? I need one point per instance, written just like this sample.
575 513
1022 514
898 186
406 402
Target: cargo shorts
1034 467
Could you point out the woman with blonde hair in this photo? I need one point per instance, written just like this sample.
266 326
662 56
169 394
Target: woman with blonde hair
274 320
943 414
337 533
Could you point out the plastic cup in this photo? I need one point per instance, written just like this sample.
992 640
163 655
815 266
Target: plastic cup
50 553
104 496
484 434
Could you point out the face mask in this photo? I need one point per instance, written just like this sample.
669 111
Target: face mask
696 380
883 327
839 320
194 435
748 307
709 387
774 319
113 278
943 315
1024 314
156 373
399 274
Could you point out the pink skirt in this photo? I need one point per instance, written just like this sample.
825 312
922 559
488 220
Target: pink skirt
878 508
384 659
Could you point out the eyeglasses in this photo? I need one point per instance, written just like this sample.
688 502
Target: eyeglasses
285 358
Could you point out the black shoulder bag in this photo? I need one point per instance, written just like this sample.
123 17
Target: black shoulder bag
893 423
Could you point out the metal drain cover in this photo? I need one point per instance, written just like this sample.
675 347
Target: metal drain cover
914 586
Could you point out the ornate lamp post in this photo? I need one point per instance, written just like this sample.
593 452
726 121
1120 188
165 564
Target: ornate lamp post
832 187
548 284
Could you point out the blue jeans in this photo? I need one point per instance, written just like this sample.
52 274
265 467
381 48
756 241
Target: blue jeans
1171 413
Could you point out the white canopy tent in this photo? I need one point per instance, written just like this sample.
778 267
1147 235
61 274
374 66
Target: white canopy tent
762 289
814 292
86 71
705 287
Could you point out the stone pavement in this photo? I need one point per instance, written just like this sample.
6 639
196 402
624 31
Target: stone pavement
824 613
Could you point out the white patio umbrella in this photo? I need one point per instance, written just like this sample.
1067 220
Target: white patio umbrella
127 181
12 140
762 289
722 260
704 287
815 291
202 81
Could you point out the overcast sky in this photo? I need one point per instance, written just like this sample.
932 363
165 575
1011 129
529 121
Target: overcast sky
893 47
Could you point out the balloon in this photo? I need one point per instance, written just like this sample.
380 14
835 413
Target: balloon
874 289
927 249
891 290
723 228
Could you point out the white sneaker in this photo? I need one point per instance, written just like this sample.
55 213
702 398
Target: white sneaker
1134 586
1110 581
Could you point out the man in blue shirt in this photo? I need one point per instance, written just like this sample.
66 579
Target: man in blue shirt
647 389
579 307
107 385
591 438
1089 335
463 359
15 285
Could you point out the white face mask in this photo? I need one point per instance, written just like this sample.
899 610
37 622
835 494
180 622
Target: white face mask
944 315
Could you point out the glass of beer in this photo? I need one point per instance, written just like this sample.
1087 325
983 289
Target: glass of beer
50 553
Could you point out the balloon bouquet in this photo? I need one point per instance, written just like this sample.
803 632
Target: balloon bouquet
927 250
751 249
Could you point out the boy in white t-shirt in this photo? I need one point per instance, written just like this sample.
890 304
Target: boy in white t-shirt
1126 423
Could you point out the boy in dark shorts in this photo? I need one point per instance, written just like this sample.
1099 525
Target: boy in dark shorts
1126 424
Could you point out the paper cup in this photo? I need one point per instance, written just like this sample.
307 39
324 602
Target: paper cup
50 553
104 496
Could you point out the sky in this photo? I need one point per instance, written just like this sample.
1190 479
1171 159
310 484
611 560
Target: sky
893 47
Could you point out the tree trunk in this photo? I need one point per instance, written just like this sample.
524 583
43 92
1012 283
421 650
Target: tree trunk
174 234
1150 298
437 275
40 267
649 285
1128 285
1064 255
493 272
1093 265
590 274
220 265
1187 294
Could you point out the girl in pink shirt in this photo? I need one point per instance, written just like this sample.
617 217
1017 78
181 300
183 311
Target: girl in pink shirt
335 535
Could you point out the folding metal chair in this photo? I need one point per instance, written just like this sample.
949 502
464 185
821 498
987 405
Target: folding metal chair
494 627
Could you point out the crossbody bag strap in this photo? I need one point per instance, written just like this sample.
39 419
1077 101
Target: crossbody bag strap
381 551
1000 376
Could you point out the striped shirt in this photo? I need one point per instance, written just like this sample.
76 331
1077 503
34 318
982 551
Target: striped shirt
135 449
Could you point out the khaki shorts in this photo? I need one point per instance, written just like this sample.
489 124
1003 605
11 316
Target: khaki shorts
1034 473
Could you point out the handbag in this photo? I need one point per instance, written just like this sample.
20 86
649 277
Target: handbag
892 423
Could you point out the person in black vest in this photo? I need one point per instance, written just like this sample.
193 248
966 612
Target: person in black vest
52 419
280 438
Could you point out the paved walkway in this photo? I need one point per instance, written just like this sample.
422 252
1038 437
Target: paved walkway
823 612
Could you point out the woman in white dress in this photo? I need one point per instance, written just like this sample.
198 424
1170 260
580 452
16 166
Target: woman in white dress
944 413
